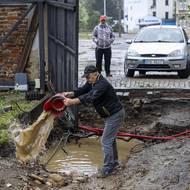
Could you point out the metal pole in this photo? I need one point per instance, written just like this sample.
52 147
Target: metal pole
105 7
120 20
119 5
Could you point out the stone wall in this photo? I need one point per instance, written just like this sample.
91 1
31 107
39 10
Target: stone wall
11 50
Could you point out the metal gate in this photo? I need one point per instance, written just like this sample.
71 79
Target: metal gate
62 16
63 44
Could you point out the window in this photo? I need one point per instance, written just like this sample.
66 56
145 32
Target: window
166 2
160 34
154 13
154 3
166 15
183 6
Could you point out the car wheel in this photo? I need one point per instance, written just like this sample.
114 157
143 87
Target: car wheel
125 68
130 73
142 72
183 74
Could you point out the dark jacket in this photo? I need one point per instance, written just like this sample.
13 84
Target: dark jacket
102 95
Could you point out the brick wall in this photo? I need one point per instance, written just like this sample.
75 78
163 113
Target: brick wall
10 51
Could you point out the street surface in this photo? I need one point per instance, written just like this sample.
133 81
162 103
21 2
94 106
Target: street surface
152 80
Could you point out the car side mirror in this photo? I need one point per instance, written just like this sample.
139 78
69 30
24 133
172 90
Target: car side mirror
128 41
188 41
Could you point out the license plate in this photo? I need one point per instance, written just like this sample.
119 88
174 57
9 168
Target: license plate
153 61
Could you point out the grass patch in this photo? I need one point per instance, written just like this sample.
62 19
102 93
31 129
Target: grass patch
18 105
4 137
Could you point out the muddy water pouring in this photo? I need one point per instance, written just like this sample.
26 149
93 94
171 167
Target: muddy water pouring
31 140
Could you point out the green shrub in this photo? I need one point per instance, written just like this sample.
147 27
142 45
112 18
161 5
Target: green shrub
4 137
19 105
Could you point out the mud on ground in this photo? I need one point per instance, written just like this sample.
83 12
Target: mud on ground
159 165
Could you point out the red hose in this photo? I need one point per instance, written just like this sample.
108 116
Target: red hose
98 131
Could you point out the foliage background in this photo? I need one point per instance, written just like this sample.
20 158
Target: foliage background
90 10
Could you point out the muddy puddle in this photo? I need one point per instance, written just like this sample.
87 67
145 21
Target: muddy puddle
85 157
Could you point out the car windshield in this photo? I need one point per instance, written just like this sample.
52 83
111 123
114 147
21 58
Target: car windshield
150 35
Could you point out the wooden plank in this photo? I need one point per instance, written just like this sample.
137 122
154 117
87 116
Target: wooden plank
28 42
19 1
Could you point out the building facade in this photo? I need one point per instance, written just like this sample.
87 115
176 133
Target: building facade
183 13
135 10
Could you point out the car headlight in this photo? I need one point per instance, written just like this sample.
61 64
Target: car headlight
133 53
177 53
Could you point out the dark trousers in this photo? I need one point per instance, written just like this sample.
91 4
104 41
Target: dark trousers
107 57
108 141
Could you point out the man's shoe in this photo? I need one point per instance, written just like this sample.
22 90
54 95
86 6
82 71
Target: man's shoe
109 75
104 173
116 166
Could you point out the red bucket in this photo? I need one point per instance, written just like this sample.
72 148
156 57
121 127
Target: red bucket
55 104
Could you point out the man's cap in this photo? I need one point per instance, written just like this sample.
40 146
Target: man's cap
89 69
103 17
